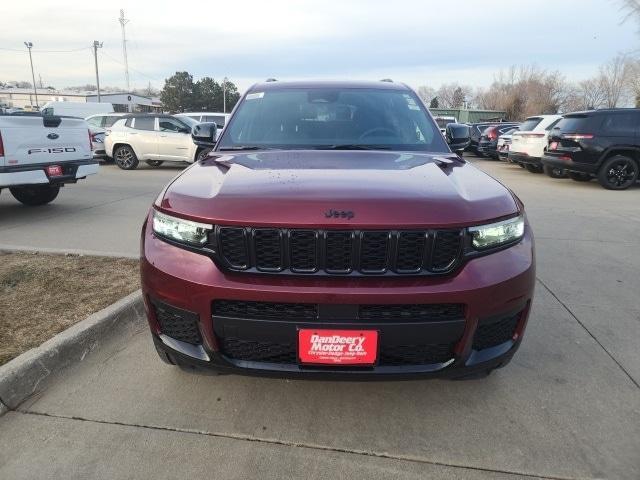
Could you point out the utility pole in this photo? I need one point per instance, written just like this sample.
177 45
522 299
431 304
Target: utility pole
96 46
224 94
123 21
29 45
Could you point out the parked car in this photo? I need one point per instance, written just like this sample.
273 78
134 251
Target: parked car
153 138
38 155
488 142
529 143
332 232
477 129
76 109
604 144
504 143
219 118
98 125
443 121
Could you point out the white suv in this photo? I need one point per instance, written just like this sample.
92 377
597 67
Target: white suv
150 137
529 143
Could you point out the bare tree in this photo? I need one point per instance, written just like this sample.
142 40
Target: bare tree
426 93
613 80
452 95
633 80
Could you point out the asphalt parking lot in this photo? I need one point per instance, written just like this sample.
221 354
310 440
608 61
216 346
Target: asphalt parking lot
568 405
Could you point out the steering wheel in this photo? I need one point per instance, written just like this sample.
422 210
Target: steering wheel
375 130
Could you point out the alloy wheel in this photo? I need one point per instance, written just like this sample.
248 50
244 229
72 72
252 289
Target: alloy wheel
621 173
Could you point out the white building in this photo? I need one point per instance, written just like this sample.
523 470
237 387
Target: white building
122 102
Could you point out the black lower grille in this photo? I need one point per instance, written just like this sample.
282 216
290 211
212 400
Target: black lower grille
416 354
252 351
284 353
435 312
492 334
332 252
265 310
177 323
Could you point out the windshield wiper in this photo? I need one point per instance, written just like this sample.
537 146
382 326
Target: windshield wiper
352 146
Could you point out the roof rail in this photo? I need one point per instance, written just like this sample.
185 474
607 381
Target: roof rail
271 80
388 80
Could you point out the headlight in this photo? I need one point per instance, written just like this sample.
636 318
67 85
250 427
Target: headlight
180 230
496 234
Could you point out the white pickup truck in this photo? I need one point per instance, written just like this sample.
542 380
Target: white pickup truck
39 154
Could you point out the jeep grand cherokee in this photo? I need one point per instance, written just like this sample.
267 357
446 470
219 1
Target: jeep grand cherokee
331 231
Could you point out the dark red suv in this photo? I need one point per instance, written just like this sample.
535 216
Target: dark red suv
331 232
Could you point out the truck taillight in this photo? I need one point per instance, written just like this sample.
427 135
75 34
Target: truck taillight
1 146
90 141
492 134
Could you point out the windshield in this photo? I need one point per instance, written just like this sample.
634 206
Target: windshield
333 118
529 124
188 120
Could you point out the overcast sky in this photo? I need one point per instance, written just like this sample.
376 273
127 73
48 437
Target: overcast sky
420 42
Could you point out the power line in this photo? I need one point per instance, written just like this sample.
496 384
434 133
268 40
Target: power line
133 69
45 51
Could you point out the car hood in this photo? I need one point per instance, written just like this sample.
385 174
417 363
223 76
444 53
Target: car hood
303 188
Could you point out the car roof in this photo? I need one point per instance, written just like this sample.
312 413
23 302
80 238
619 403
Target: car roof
200 113
277 85
602 111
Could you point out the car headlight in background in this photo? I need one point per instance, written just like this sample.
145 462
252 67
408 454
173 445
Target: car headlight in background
180 230
496 234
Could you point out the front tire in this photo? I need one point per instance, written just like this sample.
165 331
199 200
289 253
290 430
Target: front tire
554 172
125 157
533 168
618 173
35 195
154 163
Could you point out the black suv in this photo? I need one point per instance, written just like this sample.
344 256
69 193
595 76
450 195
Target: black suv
599 143
477 129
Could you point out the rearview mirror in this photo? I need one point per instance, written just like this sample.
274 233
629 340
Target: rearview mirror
458 136
205 134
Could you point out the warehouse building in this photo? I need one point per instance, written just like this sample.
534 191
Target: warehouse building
24 98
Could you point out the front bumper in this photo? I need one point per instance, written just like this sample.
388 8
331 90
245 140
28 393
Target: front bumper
35 174
492 287
524 159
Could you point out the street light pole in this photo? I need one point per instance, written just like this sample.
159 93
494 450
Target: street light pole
224 94
29 45
96 46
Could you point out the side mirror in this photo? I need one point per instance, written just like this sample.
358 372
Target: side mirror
458 136
204 134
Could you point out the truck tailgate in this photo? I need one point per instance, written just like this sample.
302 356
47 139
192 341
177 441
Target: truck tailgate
42 140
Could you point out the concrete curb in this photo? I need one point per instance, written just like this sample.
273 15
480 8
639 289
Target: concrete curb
30 373
66 251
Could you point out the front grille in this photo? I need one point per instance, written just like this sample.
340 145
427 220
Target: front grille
393 313
177 323
285 353
333 252
492 334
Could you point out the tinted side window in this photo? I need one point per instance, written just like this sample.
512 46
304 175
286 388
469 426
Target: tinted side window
171 125
109 121
620 124
553 124
129 122
144 123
